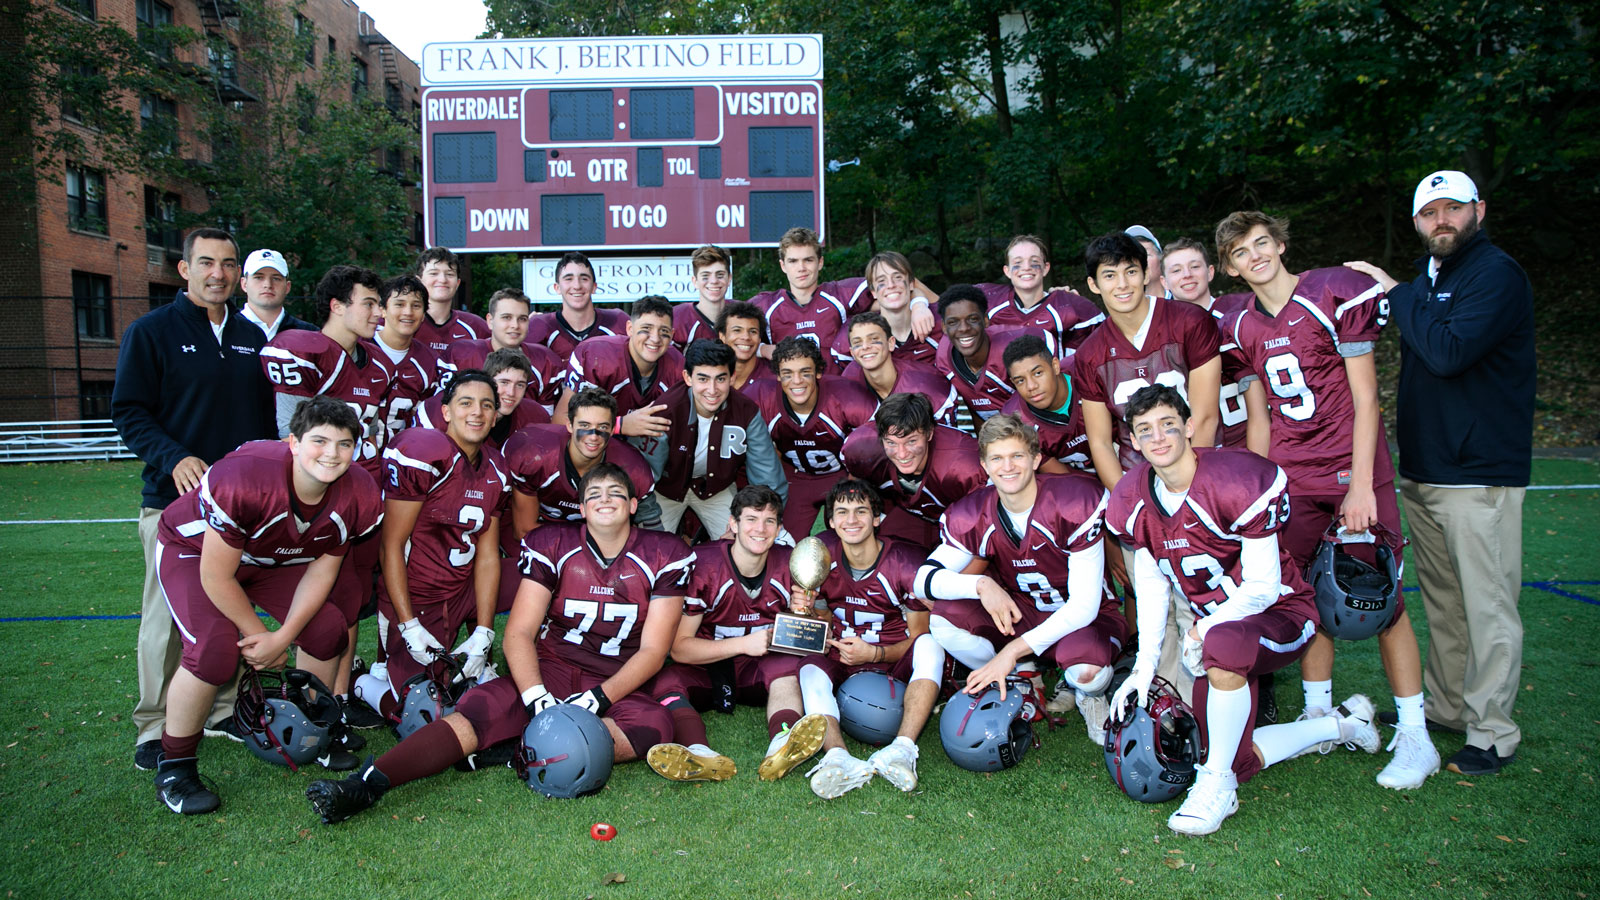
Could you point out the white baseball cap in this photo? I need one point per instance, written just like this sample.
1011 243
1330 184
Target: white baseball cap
265 259
1142 233
1449 183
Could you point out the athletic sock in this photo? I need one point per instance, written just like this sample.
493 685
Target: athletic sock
1409 711
1279 742
971 650
778 721
1227 715
1319 694
180 747
430 749
687 726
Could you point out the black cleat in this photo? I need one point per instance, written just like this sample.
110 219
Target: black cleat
178 785
336 801
359 715
227 728
337 760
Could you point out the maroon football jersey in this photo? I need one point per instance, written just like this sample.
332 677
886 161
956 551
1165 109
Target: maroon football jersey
689 324
1066 518
1235 494
604 362
310 364
416 378
1060 436
540 465
915 378
459 498
909 350
952 471
248 499
1231 427
548 369
812 447
1062 314
528 412
551 329
761 374
716 593
1296 356
598 610
821 320
986 389
1178 338
873 607
461 326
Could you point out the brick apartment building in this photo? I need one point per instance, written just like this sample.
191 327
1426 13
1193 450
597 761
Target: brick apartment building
92 251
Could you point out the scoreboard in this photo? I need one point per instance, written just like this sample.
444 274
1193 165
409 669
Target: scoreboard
621 143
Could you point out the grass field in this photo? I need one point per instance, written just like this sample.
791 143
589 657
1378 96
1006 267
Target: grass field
85 823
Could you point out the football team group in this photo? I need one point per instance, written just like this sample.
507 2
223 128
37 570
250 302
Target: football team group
1029 503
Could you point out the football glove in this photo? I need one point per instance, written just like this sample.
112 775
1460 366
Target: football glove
594 700
422 645
536 700
1191 656
1138 682
476 649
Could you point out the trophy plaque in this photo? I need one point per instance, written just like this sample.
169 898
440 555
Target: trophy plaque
796 634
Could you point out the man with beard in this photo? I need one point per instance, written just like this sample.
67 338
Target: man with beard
1466 372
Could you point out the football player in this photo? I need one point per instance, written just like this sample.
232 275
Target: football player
510 372
439 270
1042 592
509 311
710 269
808 416
895 289
267 527
1023 302
1308 339
717 437
918 467
971 352
443 495
577 320
1187 272
635 368
874 365
1207 523
416 368
593 619
721 654
744 330
1045 401
881 627
810 308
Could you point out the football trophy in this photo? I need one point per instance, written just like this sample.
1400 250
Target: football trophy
809 564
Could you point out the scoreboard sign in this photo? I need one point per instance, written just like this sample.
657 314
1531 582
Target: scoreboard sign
621 143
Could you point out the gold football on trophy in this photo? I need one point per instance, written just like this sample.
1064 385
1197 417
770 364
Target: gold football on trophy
809 563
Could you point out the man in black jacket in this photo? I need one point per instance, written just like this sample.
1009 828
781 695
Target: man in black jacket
189 389
1467 371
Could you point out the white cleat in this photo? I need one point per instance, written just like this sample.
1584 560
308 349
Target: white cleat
1096 710
1415 758
1324 747
838 774
1062 700
897 763
1209 801
1358 724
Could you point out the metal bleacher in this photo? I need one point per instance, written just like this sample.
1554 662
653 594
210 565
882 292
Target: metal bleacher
57 441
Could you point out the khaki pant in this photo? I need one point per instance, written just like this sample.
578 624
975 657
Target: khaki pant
713 511
1180 618
1466 546
160 647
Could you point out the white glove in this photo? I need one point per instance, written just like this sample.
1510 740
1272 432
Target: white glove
594 700
476 649
1191 656
1138 682
422 645
536 700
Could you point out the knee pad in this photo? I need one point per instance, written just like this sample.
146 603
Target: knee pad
816 690
369 689
1095 686
927 660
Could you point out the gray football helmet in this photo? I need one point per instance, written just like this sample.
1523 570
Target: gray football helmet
983 733
280 719
430 695
870 705
566 752
1355 600
1152 751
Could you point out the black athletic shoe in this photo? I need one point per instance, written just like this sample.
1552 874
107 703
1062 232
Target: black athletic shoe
338 760
1470 760
1267 701
227 728
178 786
490 757
336 801
147 755
357 714
349 740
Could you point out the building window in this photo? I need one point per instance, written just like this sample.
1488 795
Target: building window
358 79
161 219
333 45
391 96
86 200
306 33
94 401
83 8
80 82
161 294
305 108
418 232
152 15
158 120
91 299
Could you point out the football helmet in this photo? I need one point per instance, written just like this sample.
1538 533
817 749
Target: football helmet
1152 750
430 695
566 752
870 704
983 733
280 719
1354 599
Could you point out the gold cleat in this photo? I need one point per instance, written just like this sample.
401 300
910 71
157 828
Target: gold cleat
793 746
679 763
